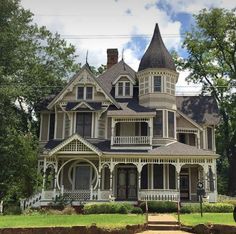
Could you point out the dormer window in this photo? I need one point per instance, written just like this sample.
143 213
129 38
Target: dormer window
124 89
85 93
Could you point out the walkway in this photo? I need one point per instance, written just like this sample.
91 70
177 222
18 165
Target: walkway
162 224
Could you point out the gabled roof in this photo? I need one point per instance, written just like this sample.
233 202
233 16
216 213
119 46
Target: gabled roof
156 55
56 145
87 68
110 75
76 106
201 109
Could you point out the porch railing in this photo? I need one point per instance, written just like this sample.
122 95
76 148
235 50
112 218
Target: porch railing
131 140
158 195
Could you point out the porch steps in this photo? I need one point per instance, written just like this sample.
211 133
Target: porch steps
162 223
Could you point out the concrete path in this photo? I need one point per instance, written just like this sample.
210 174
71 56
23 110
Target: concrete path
163 218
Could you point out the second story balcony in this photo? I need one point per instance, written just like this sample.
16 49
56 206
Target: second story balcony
131 132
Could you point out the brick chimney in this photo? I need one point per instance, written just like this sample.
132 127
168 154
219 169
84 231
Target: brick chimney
112 57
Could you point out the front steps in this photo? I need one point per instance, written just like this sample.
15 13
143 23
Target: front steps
162 222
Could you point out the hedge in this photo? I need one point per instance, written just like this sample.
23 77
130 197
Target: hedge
159 207
207 208
108 208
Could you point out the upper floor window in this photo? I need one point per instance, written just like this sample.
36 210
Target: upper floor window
209 138
157 83
171 124
84 124
170 85
123 89
85 93
158 124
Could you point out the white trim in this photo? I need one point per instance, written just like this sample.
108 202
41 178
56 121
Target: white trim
123 76
70 139
82 103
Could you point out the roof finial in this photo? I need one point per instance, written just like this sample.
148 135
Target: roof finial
86 57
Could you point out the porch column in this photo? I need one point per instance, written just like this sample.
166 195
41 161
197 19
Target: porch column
44 175
99 181
111 179
150 123
205 176
55 178
113 124
178 169
139 169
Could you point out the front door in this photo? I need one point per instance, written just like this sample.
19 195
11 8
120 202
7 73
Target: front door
184 187
126 184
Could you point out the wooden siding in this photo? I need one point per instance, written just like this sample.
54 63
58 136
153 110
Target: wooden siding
44 126
60 124
184 123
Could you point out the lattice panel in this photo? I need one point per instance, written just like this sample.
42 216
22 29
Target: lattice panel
74 146
80 195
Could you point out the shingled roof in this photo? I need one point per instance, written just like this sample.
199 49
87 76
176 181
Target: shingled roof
156 55
201 109
110 75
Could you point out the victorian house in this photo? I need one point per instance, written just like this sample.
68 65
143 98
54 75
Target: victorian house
125 136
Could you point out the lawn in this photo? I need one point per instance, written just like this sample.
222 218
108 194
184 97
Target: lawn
101 220
219 218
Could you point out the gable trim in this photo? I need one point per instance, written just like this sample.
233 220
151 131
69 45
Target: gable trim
81 104
190 120
69 140
125 75
85 67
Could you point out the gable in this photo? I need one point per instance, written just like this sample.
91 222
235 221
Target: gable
82 78
74 145
183 121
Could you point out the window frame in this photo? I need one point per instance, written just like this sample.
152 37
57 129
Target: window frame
122 84
91 130
160 86
85 92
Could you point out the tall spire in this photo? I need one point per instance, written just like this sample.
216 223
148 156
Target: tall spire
156 55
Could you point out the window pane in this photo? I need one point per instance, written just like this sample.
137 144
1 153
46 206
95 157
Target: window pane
52 126
80 93
158 124
84 124
171 124
89 92
157 176
120 89
127 89
209 138
157 84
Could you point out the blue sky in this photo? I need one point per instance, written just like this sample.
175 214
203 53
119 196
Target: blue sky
97 25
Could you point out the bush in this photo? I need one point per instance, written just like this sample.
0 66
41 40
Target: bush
159 207
207 208
137 210
108 208
12 210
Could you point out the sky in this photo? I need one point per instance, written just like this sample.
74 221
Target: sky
96 25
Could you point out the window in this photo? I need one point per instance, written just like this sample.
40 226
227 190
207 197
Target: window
85 93
80 93
144 177
127 88
146 85
83 124
172 179
209 138
141 86
157 83
123 89
171 123
51 126
120 89
158 124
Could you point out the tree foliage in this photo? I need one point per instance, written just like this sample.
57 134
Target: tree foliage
34 63
211 45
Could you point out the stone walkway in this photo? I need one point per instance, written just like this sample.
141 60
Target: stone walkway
167 220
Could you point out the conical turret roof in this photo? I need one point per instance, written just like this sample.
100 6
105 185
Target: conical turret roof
156 55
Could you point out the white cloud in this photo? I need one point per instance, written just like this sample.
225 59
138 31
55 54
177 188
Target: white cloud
104 17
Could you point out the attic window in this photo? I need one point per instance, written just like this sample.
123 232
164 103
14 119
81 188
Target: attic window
85 93
123 89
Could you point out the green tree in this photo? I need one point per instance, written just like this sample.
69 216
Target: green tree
211 46
34 63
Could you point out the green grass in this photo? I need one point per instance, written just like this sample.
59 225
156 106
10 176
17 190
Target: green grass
102 220
208 218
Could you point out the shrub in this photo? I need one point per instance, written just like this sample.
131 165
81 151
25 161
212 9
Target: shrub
137 210
123 210
207 208
12 210
108 208
159 207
